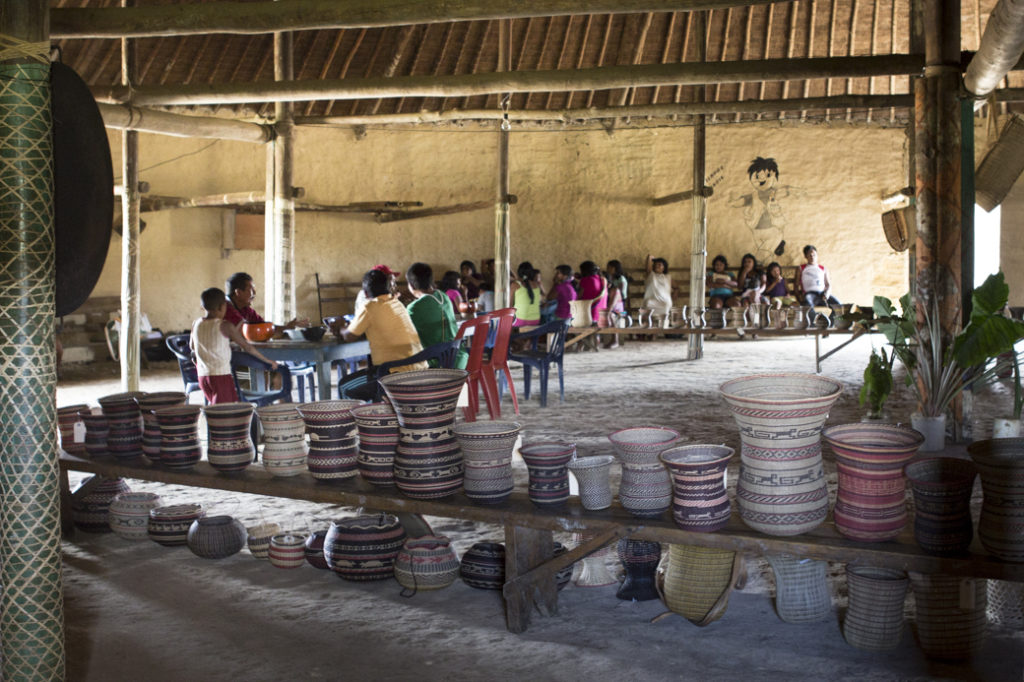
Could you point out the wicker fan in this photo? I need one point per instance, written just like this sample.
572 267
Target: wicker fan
895 224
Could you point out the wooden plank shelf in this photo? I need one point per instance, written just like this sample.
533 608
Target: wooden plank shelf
518 512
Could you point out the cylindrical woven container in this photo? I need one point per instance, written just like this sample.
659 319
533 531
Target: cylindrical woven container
645 488
1006 604
592 475
874 618
428 461
547 464
801 588
593 570
168 526
698 581
332 438
871 502
67 417
314 548
258 539
640 558
699 499
487 454
150 428
942 503
781 488
950 614
377 425
483 566
426 563
129 514
229 445
1000 463
97 429
179 436
90 506
364 547
216 537
284 438
563 576
287 550
124 440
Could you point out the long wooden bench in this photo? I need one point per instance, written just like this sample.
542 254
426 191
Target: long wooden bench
530 565
681 284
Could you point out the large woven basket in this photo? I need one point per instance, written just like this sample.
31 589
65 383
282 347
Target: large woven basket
697 582
874 619
950 614
1006 604
801 588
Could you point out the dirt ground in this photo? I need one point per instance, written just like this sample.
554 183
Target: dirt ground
139 611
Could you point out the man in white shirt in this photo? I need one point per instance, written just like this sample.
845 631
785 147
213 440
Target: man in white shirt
813 281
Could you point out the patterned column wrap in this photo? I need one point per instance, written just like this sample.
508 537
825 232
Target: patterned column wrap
31 608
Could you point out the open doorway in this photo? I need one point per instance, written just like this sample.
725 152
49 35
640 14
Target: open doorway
986 243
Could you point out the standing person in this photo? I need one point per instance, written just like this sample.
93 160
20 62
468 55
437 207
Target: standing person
241 294
813 285
388 328
526 296
657 286
615 306
211 349
618 280
562 291
431 312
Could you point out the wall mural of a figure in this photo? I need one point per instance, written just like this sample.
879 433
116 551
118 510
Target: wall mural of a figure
763 208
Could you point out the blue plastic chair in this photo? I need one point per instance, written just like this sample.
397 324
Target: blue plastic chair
243 361
178 344
444 352
542 358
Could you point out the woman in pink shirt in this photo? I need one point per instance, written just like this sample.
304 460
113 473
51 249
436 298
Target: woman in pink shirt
592 286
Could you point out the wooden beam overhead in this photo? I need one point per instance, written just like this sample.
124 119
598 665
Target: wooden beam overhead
597 78
653 110
300 15
126 117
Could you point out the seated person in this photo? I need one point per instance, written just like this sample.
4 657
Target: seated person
813 285
451 285
526 296
431 312
752 282
721 283
593 287
388 328
657 286
392 287
210 342
241 294
776 292
562 292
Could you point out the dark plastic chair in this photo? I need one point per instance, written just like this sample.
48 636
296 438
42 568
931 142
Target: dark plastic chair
542 359
243 361
178 345
443 352
351 365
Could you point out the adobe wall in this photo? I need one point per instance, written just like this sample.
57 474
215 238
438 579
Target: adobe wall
582 195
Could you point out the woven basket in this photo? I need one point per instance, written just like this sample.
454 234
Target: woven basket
426 563
950 614
697 582
801 589
593 569
874 619
1006 604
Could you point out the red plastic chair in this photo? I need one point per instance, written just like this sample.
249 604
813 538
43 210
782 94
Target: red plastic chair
498 362
480 326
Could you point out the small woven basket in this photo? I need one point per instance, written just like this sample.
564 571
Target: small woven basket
801 589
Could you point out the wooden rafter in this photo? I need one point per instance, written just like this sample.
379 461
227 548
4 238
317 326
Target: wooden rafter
476 58
458 66
602 52
666 47
414 65
372 63
583 52
768 25
561 55
545 41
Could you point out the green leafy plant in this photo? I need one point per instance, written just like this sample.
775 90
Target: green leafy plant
939 368
878 382
1018 394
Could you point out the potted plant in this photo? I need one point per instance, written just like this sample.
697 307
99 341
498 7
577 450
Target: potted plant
877 383
939 367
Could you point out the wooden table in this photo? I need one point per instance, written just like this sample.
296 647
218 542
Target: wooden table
321 353
530 565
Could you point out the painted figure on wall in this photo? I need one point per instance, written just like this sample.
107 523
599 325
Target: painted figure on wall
762 209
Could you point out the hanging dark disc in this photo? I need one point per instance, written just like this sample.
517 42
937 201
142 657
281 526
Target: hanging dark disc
83 188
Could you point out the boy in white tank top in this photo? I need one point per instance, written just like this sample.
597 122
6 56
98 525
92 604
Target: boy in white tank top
211 349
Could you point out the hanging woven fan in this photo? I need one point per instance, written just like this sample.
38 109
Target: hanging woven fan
83 192
896 230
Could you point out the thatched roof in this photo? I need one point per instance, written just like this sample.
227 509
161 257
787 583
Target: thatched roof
794 31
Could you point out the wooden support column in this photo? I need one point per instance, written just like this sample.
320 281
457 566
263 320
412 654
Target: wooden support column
937 133
525 549
502 227
131 303
284 198
699 234
32 600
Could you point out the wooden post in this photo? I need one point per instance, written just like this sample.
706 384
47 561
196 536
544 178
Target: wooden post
31 603
284 200
131 306
502 228
699 235
271 276
526 548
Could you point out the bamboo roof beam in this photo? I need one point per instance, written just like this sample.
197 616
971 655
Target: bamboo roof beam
644 110
256 202
597 78
126 117
302 15
999 51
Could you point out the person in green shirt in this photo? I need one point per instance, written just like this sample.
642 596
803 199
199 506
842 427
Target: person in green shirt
432 312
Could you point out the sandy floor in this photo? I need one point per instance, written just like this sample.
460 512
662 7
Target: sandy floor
139 611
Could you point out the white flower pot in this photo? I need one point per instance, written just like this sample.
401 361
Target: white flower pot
933 429
1005 427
